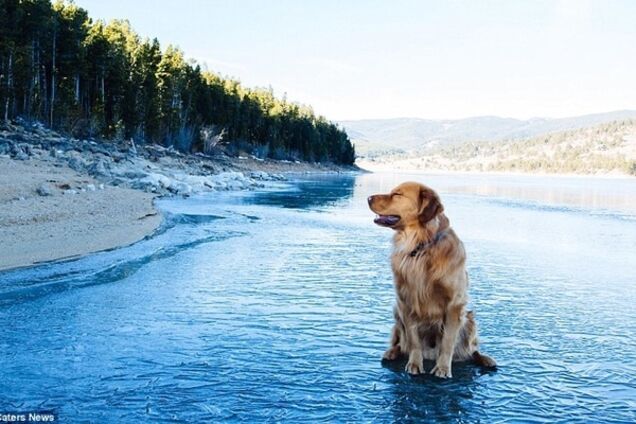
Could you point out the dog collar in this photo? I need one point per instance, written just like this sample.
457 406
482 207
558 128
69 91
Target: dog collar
423 247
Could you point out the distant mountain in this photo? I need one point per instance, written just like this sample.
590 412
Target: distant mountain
378 137
602 149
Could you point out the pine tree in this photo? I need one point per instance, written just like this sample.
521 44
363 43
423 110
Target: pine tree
100 80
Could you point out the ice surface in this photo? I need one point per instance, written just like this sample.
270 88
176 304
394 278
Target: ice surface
276 305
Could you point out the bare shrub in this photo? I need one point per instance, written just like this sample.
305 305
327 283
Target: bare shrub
211 136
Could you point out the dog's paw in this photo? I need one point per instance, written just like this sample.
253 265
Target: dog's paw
391 354
442 371
415 368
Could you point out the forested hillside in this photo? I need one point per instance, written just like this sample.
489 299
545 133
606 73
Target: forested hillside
379 137
601 149
96 79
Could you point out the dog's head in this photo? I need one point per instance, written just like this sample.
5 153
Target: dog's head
407 205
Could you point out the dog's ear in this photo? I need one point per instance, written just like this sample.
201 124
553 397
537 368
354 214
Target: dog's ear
430 205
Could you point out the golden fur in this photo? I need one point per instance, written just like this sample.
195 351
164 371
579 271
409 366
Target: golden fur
428 262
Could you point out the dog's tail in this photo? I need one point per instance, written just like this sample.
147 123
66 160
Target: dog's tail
484 360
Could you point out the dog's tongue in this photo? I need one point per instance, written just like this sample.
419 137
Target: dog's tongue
387 220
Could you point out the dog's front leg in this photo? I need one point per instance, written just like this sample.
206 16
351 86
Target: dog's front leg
415 365
452 324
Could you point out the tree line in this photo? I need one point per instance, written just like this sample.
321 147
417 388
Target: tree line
600 149
95 79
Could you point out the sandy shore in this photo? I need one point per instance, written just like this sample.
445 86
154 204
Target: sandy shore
73 217
64 198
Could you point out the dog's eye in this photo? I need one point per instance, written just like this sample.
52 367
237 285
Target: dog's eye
396 194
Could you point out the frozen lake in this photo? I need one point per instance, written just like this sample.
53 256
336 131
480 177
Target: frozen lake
276 306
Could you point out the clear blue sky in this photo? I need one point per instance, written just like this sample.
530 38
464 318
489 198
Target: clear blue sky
353 59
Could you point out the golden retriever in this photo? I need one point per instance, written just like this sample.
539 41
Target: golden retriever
428 262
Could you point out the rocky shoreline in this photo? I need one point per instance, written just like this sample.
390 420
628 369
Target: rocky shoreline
62 197
151 168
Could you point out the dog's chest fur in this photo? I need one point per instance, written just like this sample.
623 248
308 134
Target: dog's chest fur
419 293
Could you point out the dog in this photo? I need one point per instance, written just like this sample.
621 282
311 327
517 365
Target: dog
431 282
